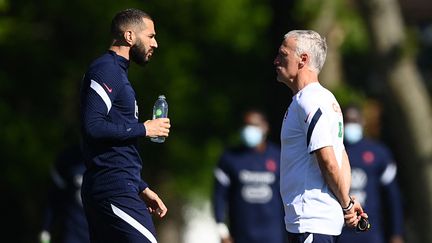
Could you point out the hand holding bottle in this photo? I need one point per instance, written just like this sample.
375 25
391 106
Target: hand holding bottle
162 123
157 127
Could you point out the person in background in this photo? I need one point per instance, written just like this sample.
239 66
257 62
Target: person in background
246 189
373 183
64 219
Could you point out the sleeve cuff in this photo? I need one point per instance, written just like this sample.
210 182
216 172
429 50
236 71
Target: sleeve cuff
142 185
143 129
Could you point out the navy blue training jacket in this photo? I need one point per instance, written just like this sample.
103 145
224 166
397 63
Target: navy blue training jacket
374 183
110 128
246 195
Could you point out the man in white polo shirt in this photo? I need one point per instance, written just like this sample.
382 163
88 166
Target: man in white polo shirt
315 170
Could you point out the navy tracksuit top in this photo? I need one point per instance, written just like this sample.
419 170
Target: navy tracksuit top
247 191
64 216
374 184
110 128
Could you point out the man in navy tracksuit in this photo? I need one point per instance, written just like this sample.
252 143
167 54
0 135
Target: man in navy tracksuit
373 184
116 200
246 189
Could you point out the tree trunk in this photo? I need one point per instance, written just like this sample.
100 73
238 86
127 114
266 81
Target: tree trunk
408 93
331 75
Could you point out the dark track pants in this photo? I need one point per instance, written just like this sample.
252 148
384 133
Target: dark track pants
122 218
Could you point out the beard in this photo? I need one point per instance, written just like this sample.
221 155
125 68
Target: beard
138 53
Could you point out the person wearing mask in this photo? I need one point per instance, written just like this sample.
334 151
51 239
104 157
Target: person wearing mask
373 183
246 189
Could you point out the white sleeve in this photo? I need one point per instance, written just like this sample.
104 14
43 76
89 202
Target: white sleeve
321 119
318 130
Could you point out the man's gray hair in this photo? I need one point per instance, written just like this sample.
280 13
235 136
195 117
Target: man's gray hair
311 43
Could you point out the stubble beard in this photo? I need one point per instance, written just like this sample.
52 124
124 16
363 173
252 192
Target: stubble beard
138 53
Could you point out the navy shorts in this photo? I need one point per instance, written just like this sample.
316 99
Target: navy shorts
121 218
311 238
351 236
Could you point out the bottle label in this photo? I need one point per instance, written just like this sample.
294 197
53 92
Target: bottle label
158 112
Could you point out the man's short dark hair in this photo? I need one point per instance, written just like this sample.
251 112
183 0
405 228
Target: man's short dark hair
353 106
126 19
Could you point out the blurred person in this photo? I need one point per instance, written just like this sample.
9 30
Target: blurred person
246 190
315 170
373 183
64 219
117 202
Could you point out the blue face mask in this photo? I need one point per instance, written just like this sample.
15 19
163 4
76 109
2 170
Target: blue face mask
353 132
252 136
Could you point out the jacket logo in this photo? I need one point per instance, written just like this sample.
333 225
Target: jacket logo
109 90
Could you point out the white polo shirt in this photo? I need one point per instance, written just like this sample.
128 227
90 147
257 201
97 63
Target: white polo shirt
313 121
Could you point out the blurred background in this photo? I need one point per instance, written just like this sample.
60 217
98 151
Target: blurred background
215 59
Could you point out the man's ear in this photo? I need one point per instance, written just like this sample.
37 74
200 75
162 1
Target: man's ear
304 59
129 37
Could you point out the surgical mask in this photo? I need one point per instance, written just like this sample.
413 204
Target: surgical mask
252 135
353 132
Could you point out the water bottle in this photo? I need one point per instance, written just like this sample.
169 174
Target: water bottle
160 110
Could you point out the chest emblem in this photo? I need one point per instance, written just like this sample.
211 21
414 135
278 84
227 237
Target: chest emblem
136 110
368 157
108 89
271 165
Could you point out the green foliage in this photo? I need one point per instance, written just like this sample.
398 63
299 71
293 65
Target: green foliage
196 43
354 29
356 34
214 60
4 4
207 64
236 22
307 10
347 95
